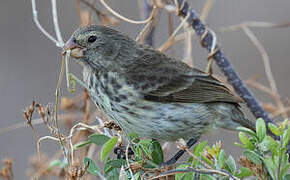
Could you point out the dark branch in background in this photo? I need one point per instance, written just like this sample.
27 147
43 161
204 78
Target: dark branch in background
147 7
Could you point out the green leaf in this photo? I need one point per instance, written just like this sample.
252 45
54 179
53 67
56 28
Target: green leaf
283 125
275 129
145 150
145 142
157 153
98 139
240 145
198 149
107 147
244 172
284 160
93 168
137 176
245 140
268 144
284 170
270 166
81 144
252 156
116 163
190 159
221 159
231 164
248 131
287 177
138 152
261 129
207 160
133 136
113 175
286 135
108 169
55 163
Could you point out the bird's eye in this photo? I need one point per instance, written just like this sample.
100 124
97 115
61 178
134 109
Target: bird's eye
92 39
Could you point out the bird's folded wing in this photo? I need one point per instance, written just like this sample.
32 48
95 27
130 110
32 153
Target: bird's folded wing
201 89
169 80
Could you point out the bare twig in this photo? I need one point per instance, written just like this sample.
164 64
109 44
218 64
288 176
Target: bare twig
35 18
206 9
264 54
256 24
147 34
37 121
280 111
170 39
122 17
188 46
105 19
56 106
127 160
267 65
60 42
170 21
213 50
6 172
270 92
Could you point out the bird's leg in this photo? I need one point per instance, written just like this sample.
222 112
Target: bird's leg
173 160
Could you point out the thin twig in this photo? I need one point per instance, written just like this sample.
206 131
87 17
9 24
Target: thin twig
262 88
199 160
36 137
127 160
60 42
56 105
188 46
256 24
280 111
67 57
37 121
107 131
267 65
35 18
170 21
147 34
122 17
206 9
170 39
264 54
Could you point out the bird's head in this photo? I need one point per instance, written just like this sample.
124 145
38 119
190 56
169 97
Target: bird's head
100 47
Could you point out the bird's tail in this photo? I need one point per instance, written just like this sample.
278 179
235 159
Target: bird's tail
239 117
230 117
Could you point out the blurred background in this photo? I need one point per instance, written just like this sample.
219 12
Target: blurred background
30 63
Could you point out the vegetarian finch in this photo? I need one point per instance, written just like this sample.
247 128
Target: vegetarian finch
147 92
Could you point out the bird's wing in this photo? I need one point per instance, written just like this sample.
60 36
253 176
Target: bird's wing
163 79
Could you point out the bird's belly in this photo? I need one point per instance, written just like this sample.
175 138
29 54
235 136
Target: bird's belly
163 121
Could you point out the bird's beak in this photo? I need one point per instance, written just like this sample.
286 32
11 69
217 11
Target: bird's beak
76 50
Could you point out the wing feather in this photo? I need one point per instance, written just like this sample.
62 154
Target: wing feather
164 79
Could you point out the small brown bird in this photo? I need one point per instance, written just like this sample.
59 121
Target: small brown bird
149 93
